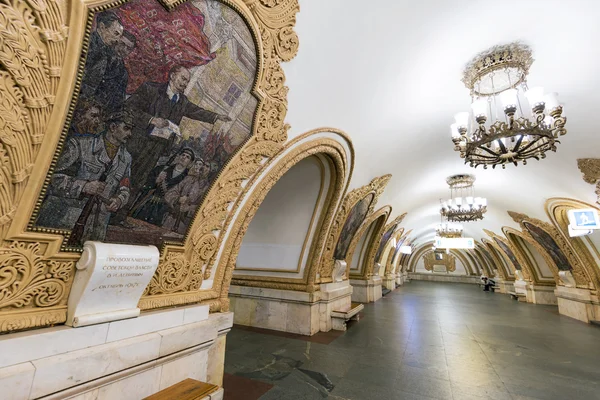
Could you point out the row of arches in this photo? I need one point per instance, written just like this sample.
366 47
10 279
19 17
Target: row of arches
540 262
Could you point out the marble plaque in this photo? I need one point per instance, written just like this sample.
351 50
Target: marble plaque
109 282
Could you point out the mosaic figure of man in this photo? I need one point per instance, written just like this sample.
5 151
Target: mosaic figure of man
90 182
154 105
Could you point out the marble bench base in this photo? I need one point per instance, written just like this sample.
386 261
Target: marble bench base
288 310
578 303
541 295
339 318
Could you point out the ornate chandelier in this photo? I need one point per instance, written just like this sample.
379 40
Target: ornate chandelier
449 230
462 205
502 128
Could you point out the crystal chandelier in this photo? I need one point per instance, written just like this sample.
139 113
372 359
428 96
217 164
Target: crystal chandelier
449 230
462 205
502 128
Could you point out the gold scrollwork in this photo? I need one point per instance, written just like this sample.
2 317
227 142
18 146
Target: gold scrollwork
449 261
376 186
525 266
590 168
34 58
500 259
557 210
579 270
29 281
339 180
510 234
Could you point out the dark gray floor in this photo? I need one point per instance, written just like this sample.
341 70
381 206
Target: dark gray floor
431 340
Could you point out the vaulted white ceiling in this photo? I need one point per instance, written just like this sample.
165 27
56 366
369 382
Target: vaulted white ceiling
388 72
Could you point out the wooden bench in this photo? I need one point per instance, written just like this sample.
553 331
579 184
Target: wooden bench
339 318
188 389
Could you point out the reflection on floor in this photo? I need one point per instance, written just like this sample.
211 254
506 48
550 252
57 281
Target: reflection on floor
425 340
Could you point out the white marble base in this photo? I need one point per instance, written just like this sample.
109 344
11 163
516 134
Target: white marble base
389 282
366 291
138 359
521 290
578 303
288 310
445 277
541 295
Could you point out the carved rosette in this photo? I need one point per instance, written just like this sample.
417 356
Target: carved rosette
34 59
376 186
579 270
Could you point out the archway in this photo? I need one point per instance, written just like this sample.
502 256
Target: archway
365 283
279 232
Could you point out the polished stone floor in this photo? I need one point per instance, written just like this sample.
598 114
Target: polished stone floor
425 340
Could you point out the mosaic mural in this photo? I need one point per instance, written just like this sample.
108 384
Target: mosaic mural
384 239
546 241
509 253
355 219
164 102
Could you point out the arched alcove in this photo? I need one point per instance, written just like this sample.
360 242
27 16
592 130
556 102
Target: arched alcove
277 242
359 255
358 258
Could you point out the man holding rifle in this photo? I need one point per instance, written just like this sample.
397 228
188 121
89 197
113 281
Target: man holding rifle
90 182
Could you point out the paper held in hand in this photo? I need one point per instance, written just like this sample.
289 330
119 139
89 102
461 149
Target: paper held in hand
166 132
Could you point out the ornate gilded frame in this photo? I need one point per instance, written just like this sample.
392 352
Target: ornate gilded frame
341 169
42 43
378 218
522 262
376 186
511 235
556 209
430 261
581 272
500 259
390 267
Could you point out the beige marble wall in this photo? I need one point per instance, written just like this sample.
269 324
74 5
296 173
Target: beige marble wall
576 303
139 356
418 276
389 282
541 295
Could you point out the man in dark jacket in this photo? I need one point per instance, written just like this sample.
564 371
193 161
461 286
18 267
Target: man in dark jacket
157 106
104 68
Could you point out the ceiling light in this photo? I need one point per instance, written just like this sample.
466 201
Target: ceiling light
457 210
509 122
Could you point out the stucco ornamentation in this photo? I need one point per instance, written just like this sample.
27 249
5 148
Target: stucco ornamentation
36 84
376 186
578 269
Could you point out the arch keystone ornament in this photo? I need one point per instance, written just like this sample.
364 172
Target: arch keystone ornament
44 46
352 198
553 239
